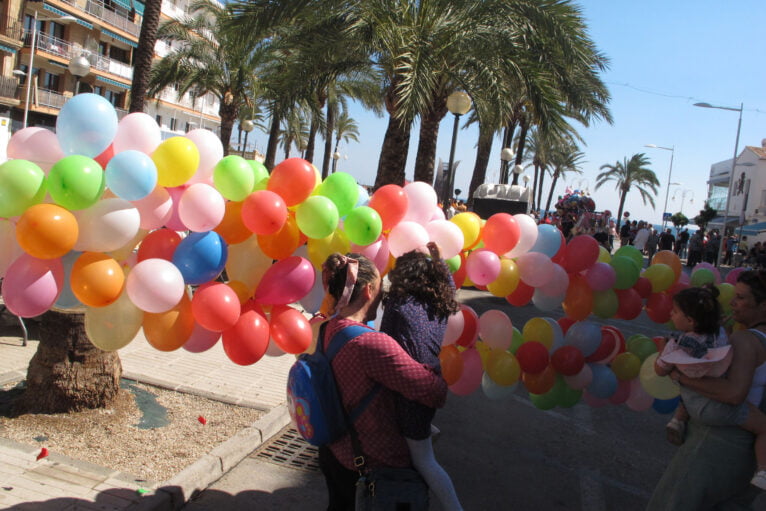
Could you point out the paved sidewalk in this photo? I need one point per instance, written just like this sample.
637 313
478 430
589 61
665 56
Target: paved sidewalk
61 483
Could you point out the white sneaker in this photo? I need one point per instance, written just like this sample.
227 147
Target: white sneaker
759 479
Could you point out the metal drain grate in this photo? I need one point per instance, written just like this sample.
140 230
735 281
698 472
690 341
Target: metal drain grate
291 450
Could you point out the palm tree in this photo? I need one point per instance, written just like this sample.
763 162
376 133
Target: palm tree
565 158
628 174
142 59
347 130
294 131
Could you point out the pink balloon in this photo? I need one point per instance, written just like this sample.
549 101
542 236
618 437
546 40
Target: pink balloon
38 145
174 222
437 214
447 235
535 269
731 277
31 286
455 326
558 283
286 281
496 329
155 285
137 131
593 401
470 380
155 209
639 400
601 276
407 236
210 152
201 207
527 235
421 200
377 252
580 380
201 340
482 266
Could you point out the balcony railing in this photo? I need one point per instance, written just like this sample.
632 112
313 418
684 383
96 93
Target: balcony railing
46 98
11 28
67 50
8 86
115 16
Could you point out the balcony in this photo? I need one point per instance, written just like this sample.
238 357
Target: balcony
68 51
114 16
8 87
46 98
11 28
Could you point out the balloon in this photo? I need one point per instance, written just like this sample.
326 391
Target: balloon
283 243
603 255
659 387
155 209
539 382
605 303
545 302
669 258
342 190
407 236
455 326
604 383
233 177
702 276
137 131
548 240
538 330
629 303
626 366
201 340
31 286
567 360
131 175
318 250
37 145
578 303
447 235
215 307
86 125
470 379
391 203
482 266
294 179
470 331
658 307
626 270
246 342
169 330
177 159
377 252
201 208
231 227
601 276
527 235
313 300
607 348
666 406
451 364
247 263
585 336
155 285
210 153
421 198
501 233
363 225
521 295
200 257
708 266
159 244
582 253
286 281
495 391
97 280
46 231
642 347
495 329
290 330
631 253
638 400
726 294
731 277
580 380
643 287
22 184
113 326
106 226
533 357
535 269
76 182
317 217
558 283
503 367
469 224
507 279
661 276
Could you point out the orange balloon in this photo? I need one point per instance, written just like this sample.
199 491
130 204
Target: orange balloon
283 243
451 363
168 331
578 302
391 202
671 259
294 179
97 279
240 288
231 228
47 231
540 383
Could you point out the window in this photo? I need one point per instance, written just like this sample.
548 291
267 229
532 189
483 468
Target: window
189 126
115 98
158 118
51 81
103 48
98 89
55 29
173 124
119 54
28 22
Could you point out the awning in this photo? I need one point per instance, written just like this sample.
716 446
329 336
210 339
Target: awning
113 82
118 37
731 219
62 13
754 229
127 4
8 49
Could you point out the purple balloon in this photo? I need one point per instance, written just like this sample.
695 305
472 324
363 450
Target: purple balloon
31 286
286 281
601 276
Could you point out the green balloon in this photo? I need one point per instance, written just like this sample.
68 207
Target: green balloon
317 217
605 303
516 341
701 277
341 188
76 182
627 271
543 401
233 177
263 184
631 253
22 184
363 225
454 263
260 171
643 348
661 276
569 397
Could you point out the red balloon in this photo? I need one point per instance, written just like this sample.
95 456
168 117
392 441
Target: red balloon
540 382
565 322
619 336
290 329
103 158
533 357
629 303
215 307
294 179
470 328
286 281
582 253
560 257
622 393
391 202
658 307
264 212
675 288
459 276
159 244
246 342
567 360
500 233
606 348
643 287
521 295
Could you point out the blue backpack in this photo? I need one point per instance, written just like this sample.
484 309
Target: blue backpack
312 394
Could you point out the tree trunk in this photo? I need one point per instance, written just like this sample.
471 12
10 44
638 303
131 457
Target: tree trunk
393 154
330 116
229 113
142 58
520 149
550 193
271 147
309 154
429 133
534 186
540 188
68 373
623 196
486 136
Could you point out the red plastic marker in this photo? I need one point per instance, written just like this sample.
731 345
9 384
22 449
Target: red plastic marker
43 454
202 420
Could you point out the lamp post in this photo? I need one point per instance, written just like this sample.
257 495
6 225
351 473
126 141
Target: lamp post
79 67
684 193
733 166
247 126
32 51
458 103
335 158
670 173
506 156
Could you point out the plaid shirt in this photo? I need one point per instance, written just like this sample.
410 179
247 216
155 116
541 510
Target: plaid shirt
367 359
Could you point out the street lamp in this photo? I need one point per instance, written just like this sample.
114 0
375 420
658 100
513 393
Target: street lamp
721 249
670 173
247 126
79 67
335 158
458 103
506 156
33 50
684 193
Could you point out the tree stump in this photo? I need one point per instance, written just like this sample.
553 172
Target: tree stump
68 373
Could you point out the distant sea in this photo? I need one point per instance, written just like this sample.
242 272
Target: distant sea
692 228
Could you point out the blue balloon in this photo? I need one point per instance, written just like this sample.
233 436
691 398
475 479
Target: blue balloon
604 383
545 302
666 405
201 257
364 197
131 175
548 240
67 299
86 125
585 336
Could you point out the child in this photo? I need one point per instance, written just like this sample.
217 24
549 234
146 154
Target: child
702 350
419 300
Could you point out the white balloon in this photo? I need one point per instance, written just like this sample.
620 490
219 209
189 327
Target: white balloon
137 131
210 152
107 225
527 235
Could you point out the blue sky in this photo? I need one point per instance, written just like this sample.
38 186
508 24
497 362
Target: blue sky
665 56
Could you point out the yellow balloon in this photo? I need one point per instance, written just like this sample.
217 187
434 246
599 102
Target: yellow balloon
320 248
503 368
247 263
603 255
114 326
659 387
507 280
126 250
538 330
626 366
177 159
470 225
661 276
484 351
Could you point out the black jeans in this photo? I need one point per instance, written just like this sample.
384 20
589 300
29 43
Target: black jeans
341 482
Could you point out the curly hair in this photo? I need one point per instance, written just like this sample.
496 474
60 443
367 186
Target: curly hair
427 281
756 281
701 304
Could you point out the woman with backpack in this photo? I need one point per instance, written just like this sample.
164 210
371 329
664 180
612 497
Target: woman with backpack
370 363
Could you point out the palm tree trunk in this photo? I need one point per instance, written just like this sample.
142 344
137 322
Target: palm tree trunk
429 133
393 154
623 196
228 113
520 149
534 186
510 129
309 154
142 59
271 146
540 188
483 150
550 193
328 140
68 372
